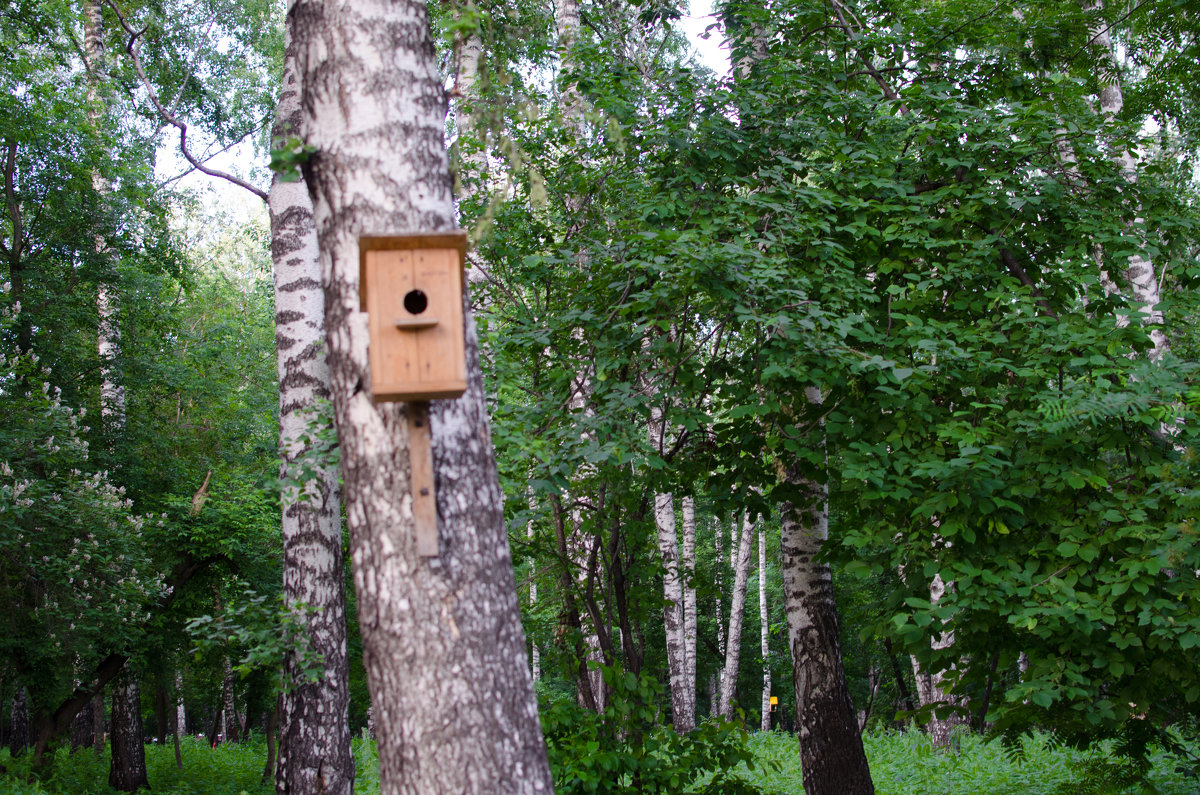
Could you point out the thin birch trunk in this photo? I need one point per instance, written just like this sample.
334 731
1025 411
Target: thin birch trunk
690 617
229 732
764 618
442 639
737 611
682 708
314 753
683 716
1140 275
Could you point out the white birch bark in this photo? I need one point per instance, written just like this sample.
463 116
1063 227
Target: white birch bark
314 749
690 617
831 750
737 611
1140 275
764 618
442 639
673 619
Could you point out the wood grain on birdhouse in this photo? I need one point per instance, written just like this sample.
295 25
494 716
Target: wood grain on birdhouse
411 287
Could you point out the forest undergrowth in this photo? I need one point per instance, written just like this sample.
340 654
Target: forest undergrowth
902 763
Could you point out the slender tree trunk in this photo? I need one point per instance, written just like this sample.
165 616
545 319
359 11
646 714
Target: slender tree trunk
175 718
127 773
272 726
831 749
229 725
1139 273
160 714
19 726
764 618
442 639
98 723
682 711
737 611
931 685
689 601
315 753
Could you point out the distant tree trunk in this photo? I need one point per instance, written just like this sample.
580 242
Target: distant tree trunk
831 749
229 725
82 727
689 598
272 725
764 618
175 716
160 714
20 727
98 723
314 751
442 641
535 655
127 773
931 688
737 611
1140 273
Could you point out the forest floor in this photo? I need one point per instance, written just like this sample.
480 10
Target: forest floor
902 763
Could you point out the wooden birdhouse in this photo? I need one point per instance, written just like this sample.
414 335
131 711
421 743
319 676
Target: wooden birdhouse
411 287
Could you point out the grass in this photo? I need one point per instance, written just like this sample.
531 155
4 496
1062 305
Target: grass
901 764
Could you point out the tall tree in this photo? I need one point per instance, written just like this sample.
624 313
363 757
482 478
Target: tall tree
437 632
314 748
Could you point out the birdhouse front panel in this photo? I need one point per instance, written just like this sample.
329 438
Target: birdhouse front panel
412 291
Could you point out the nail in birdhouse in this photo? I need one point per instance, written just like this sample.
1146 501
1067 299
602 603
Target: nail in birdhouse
411 287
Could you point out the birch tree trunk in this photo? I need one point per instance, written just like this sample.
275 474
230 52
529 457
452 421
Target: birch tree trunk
1139 274
314 753
229 723
683 708
683 711
764 618
931 687
442 639
831 749
737 610
690 617
129 773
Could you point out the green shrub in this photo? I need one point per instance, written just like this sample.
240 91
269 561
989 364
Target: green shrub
625 749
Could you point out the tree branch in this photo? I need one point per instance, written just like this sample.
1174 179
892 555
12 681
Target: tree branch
166 115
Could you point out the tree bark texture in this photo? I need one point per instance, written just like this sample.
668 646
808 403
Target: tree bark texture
315 754
737 611
683 708
442 640
127 771
82 727
20 728
689 598
831 749
764 619
229 723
